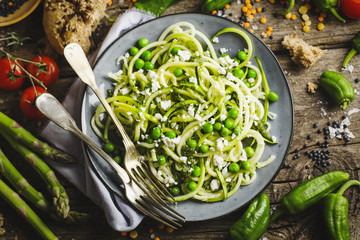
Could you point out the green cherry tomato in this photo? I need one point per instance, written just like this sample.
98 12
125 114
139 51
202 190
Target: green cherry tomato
217 126
196 171
246 165
249 152
117 159
233 113
208 128
175 50
134 51
192 185
229 123
242 55
146 55
155 133
178 72
239 73
149 66
273 96
192 143
204 148
251 73
143 42
171 134
234 167
139 63
161 159
237 130
175 190
225 132
109 147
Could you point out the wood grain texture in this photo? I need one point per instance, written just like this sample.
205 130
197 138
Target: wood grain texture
307 110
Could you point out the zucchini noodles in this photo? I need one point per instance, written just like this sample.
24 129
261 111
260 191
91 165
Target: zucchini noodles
197 118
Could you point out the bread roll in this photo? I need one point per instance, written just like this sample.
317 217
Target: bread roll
67 21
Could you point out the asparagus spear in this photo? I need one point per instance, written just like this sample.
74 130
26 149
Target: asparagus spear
60 198
22 135
25 211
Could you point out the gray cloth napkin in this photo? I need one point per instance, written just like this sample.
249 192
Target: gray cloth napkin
120 215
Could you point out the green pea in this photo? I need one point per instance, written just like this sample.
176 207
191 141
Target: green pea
155 133
139 63
246 165
208 128
196 171
134 51
149 140
234 167
224 55
242 55
161 159
225 132
229 123
117 159
204 148
146 55
175 190
251 73
192 143
248 84
273 96
149 66
249 152
239 73
109 147
171 134
237 60
233 113
175 50
192 186
143 42
217 126
237 130
178 72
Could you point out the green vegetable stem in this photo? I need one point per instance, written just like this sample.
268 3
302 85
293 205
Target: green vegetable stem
335 213
155 7
210 5
290 7
253 223
338 87
355 44
309 193
328 5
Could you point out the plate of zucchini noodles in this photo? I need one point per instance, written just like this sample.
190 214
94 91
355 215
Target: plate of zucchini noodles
207 105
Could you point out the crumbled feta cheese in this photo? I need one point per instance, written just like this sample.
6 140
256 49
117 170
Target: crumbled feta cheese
251 80
198 117
349 68
171 142
125 91
152 75
169 181
132 76
212 120
191 110
193 80
221 70
215 40
184 55
214 184
183 159
155 85
165 104
223 117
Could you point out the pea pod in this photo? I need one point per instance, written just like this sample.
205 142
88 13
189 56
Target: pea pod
309 193
253 223
355 44
335 213
328 5
338 87
210 5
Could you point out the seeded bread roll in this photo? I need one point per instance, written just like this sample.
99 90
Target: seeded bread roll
67 21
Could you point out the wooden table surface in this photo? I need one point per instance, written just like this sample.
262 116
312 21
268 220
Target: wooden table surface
308 110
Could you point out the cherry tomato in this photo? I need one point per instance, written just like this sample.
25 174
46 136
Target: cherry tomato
10 80
351 8
27 103
48 73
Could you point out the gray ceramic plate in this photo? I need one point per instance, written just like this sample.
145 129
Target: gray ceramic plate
282 126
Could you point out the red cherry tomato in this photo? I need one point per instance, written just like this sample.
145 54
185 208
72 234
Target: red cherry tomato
351 8
27 103
10 80
48 73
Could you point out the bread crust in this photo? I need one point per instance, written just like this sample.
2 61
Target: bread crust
67 21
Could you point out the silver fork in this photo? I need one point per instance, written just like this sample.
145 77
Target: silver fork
143 201
135 167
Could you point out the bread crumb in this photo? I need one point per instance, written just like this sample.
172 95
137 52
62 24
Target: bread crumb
311 87
302 53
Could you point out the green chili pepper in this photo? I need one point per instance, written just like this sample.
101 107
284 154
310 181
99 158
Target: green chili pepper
355 43
290 7
335 213
210 5
338 87
309 193
155 7
253 223
328 5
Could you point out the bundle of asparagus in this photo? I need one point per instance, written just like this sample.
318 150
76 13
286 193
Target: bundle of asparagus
26 144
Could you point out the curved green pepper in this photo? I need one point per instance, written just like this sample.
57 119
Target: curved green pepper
210 5
355 44
253 223
309 193
338 88
328 5
335 213
290 7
